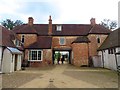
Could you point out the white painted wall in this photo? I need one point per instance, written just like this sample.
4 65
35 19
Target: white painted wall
7 59
109 59
19 62
8 64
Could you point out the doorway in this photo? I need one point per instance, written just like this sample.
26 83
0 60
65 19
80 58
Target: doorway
15 64
61 57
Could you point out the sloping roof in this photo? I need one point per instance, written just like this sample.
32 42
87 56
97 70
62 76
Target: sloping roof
6 37
113 40
81 39
41 43
25 29
72 29
67 29
99 29
14 50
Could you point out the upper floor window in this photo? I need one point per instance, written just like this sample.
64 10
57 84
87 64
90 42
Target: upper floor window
17 43
62 41
98 40
23 38
59 27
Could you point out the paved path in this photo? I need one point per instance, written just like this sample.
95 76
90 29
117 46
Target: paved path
56 79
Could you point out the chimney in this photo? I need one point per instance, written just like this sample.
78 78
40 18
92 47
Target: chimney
92 21
30 21
50 26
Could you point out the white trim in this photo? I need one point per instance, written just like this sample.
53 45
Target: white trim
59 28
37 55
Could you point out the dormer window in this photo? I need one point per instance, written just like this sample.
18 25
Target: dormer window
23 38
59 27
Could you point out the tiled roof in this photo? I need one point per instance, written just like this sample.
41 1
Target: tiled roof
6 36
99 29
113 40
72 29
81 39
67 29
25 29
43 42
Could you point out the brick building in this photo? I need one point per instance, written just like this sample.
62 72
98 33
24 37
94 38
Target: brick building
42 41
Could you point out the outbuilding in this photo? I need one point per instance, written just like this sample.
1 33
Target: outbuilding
109 49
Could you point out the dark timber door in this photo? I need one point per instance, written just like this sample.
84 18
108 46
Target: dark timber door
15 65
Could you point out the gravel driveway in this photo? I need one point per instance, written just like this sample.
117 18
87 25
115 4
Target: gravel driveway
62 76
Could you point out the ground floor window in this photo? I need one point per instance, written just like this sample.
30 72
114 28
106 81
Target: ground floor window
35 55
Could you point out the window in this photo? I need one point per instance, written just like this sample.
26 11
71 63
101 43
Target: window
114 50
35 55
62 41
98 40
22 38
59 28
111 51
17 43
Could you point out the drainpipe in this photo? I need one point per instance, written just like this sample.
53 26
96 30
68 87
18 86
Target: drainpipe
2 56
103 59
116 61
88 51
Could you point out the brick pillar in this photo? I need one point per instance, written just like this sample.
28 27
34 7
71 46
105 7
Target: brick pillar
30 21
92 21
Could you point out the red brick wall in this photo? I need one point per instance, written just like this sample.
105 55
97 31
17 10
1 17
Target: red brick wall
29 39
69 40
46 58
93 45
80 54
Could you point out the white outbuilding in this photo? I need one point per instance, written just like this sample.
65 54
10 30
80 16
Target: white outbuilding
109 49
11 60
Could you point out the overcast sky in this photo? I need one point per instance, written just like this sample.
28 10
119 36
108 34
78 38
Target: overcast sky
62 11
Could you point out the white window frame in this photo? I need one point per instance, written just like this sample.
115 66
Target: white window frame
59 27
60 41
37 55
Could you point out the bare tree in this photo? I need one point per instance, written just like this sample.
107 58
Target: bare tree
9 24
110 24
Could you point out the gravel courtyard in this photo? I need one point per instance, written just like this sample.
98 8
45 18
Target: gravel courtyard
61 76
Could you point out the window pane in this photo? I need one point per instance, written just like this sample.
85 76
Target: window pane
98 40
34 55
59 27
22 38
62 41
39 55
